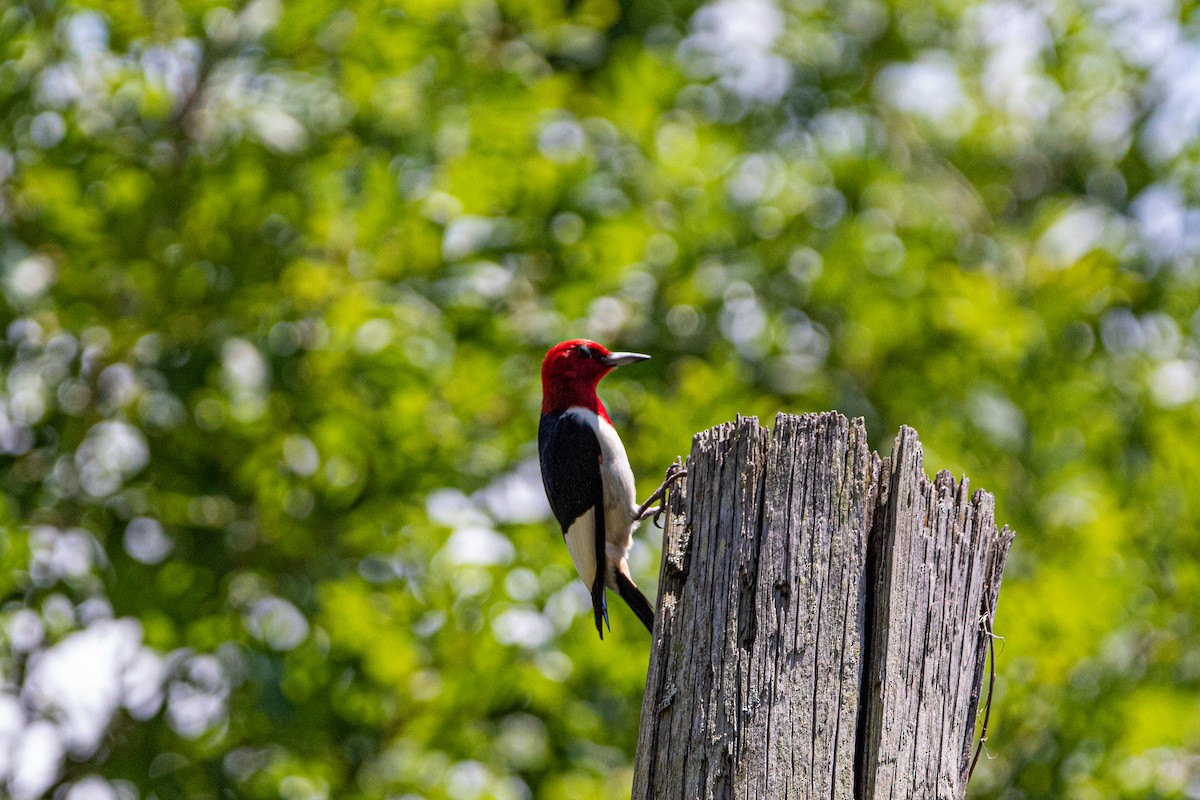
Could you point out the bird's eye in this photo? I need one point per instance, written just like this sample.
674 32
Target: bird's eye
585 351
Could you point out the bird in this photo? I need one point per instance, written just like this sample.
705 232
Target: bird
587 477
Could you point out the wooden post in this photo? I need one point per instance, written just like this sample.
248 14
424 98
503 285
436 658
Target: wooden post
823 620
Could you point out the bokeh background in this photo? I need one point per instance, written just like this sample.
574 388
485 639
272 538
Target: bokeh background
277 281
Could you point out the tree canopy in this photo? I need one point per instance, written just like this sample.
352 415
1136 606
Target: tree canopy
278 278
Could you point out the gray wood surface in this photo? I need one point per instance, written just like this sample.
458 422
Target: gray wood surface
819 628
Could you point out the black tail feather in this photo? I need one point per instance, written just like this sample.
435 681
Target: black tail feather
636 600
599 602
600 605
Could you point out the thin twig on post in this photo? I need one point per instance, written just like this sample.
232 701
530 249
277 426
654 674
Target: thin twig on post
986 622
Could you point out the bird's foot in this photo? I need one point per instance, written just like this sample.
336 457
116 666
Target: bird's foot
648 509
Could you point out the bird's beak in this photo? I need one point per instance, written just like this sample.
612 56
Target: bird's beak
621 359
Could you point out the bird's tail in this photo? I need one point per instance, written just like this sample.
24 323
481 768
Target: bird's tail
632 595
600 604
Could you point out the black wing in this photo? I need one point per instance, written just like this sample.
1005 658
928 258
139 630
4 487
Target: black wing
570 456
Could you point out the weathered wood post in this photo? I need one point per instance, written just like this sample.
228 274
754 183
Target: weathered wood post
823 620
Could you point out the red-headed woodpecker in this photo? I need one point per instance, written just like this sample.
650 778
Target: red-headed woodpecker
586 473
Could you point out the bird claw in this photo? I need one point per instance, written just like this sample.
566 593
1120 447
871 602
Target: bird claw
674 473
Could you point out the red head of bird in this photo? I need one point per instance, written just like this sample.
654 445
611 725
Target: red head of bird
571 371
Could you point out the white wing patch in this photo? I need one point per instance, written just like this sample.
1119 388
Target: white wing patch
617 478
581 542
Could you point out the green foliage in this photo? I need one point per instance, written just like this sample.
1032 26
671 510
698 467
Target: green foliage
278 279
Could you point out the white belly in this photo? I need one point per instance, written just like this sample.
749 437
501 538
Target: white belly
620 505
